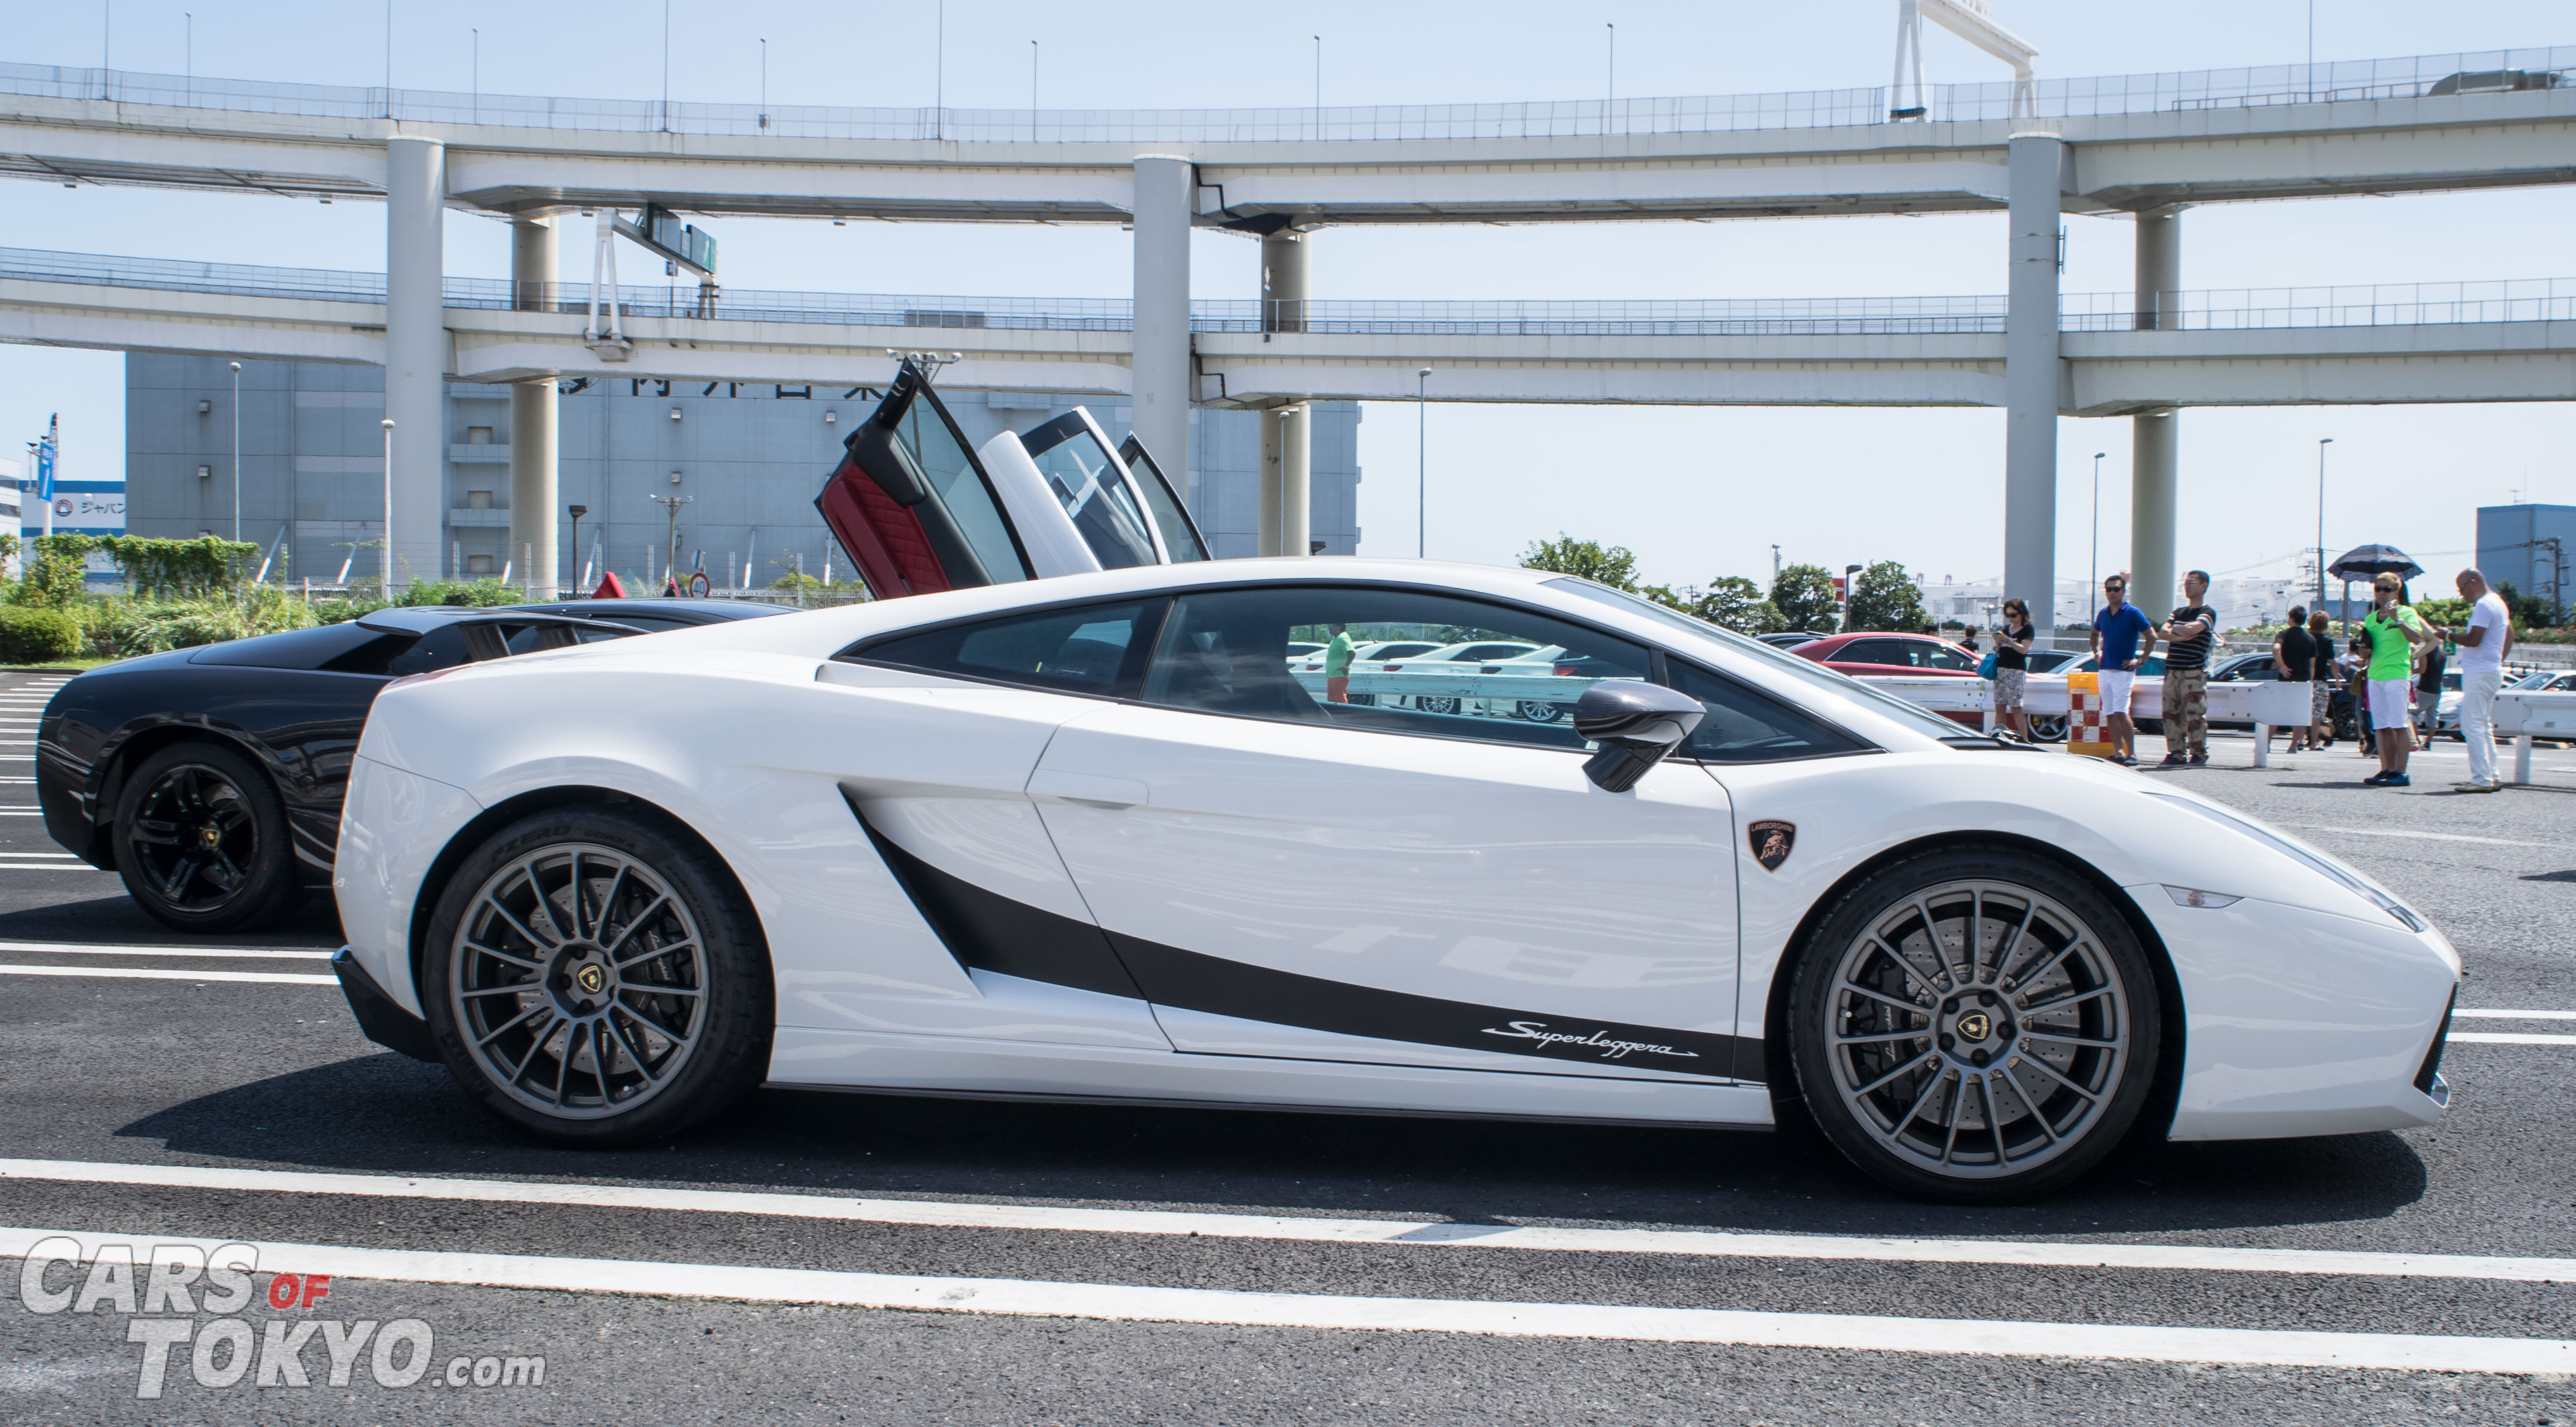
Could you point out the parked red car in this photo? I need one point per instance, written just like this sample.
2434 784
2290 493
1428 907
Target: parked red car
1914 656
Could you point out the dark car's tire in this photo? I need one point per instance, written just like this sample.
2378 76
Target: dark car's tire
596 980
1927 1065
2047 728
202 840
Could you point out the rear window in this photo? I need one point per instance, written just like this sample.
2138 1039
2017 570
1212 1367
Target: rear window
298 648
1093 649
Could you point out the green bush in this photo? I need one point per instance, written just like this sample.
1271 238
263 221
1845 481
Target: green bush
33 635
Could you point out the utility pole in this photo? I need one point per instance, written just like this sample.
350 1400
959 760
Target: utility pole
236 453
578 511
673 503
388 565
1422 466
2322 444
2096 577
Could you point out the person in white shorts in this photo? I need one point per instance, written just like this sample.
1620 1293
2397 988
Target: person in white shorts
2397 636
2483 641
2122 640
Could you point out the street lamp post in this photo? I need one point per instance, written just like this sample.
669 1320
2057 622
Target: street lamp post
1422 466
578 511
2322 444
387 567
2096 576
236 453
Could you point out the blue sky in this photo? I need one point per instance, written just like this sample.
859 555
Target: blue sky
1696 492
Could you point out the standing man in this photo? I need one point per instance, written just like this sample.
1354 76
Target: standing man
2294 660
1337 665
2188 635
2484 642
2117 630
2394 632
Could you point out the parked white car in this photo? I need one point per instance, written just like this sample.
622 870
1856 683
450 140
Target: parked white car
1087 838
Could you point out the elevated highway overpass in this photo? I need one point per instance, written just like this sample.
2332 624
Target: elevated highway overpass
2149 145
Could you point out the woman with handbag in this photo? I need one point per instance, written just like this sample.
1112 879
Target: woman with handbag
2008 666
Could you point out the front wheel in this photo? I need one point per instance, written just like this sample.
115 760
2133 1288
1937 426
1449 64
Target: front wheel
2047 728
596 980
1974 1024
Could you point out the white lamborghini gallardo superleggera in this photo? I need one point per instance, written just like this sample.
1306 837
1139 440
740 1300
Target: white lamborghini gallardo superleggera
1099 838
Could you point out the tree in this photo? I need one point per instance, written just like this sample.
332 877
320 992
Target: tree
1731 602
1804 596
1884 597
1565 555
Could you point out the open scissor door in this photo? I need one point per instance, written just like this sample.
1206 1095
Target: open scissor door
912 505
1171 516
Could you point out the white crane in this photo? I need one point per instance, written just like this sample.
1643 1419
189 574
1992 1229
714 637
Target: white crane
1970 20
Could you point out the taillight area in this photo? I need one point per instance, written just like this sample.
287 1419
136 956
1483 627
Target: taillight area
1565 671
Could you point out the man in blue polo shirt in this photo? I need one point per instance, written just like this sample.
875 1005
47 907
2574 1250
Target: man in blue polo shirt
2122 640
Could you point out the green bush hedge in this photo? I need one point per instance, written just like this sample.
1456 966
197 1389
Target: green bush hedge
35 635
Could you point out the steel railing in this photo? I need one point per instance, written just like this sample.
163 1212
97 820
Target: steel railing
2407 77
2388 304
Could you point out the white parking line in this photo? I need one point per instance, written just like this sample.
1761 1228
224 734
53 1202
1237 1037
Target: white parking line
1130 1304
56 948
151 973
44 866
2509 1038
1400 1232
2423 836
2516 1015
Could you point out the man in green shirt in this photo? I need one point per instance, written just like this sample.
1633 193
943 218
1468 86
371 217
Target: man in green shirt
2395 633
1337 665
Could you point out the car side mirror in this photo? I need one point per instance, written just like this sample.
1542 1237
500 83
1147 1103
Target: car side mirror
1637 724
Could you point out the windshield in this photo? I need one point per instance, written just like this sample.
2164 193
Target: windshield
1089 483
1807 671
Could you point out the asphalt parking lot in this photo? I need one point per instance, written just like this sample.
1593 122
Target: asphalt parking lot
1269 1268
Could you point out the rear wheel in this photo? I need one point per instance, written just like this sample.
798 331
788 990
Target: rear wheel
1974 1024
595 980
2047 728
202 840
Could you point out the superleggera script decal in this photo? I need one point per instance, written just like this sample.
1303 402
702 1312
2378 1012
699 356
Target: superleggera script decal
1617 1049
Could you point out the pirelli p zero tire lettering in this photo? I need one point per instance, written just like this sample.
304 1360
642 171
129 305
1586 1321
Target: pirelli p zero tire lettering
1976 1024
596 980
202 841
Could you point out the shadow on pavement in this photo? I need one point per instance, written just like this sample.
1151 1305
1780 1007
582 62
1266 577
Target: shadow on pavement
116 921
387 1114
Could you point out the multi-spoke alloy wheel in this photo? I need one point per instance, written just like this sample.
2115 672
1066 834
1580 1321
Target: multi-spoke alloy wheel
1978 1025
580 981
597 981
201 839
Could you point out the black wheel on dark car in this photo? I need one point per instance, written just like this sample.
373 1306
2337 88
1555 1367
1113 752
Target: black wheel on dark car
201 840
2047 728
1974 1024
596 980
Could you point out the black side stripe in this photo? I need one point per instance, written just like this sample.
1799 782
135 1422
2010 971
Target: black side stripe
995 933
986 930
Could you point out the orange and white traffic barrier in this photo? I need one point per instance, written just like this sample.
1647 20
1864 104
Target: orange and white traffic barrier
2085 733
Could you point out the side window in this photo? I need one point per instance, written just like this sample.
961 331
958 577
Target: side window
1869 651
1093 649
441 648
1743 726
529 638
1951 658
1224 651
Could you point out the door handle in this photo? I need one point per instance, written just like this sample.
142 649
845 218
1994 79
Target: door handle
1087 788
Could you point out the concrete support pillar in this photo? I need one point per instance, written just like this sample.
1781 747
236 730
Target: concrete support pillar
2153 584
1296 496
534 488
1283 282
1265 539
2031 375
1161 371
2154 508
416 351
1287 514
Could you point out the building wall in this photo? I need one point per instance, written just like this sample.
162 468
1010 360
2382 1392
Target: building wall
751 458
2513 549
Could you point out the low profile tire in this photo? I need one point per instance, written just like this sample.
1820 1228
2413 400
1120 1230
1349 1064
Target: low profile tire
202 840
1974 1024
596 980
2047 728
1437 705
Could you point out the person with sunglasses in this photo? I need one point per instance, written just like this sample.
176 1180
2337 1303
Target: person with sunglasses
2122 640
2395 633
